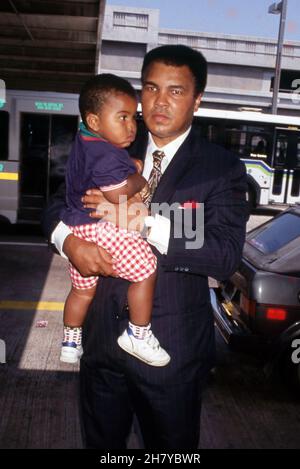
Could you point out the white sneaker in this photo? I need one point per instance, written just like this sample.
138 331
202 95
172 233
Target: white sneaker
148 350
70 352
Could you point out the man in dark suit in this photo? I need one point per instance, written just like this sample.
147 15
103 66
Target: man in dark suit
114 385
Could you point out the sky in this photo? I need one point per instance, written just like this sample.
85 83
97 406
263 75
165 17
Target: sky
243 17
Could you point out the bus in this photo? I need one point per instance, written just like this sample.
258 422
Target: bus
36 134
37 130
268 144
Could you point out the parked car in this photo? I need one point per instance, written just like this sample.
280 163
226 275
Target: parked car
258 308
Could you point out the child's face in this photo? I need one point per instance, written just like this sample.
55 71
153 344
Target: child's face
116 121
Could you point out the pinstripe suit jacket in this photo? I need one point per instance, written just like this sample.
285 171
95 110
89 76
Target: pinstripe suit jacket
182 318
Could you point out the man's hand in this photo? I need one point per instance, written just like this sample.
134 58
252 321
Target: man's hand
129 214
88 258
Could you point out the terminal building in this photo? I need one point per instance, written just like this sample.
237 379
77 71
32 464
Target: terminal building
240 68
49 49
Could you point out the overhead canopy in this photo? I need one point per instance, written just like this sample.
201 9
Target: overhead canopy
50 45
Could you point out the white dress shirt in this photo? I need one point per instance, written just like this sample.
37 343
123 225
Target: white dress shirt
159 234
169 150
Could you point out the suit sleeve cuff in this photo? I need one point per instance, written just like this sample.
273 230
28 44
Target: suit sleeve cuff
58 237
159 234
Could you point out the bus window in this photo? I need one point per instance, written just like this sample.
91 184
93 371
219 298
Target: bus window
34 154
46 141
208 130
213 133
258 146
295 190
298 154
4 118
281 151
63 130
235 140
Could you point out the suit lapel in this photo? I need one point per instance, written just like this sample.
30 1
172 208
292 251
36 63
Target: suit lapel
175 171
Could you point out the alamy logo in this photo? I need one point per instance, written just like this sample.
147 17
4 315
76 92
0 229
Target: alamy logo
188 219
296 353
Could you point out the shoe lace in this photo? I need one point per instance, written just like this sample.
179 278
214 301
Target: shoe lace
152 341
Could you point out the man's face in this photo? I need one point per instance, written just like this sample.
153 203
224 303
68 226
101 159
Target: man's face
168 101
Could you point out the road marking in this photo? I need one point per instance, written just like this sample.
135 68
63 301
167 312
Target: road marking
32 305
9 176
17 243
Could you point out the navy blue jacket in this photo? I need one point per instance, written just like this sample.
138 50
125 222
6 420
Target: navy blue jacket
182 318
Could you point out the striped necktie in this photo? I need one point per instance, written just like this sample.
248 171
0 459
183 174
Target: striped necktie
155 175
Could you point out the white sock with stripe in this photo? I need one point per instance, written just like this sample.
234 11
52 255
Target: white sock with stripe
72 334
139 332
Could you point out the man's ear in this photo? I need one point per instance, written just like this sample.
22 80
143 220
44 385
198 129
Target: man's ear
197 102
93 122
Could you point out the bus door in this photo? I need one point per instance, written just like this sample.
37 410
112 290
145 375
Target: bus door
286 167
45 145
293 190
9 173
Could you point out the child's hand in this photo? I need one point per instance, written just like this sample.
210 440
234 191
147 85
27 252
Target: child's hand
139 165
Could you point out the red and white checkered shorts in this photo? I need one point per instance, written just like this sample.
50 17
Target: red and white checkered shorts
135 260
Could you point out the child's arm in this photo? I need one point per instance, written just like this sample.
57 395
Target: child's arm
135 183
138 164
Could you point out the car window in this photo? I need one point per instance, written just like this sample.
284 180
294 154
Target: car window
277 233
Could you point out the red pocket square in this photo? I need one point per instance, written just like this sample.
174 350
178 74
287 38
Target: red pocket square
190 204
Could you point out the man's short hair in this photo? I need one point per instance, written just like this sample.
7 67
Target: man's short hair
98 88
179 55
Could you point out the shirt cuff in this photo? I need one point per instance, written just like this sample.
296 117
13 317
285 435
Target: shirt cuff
58 237
159 235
